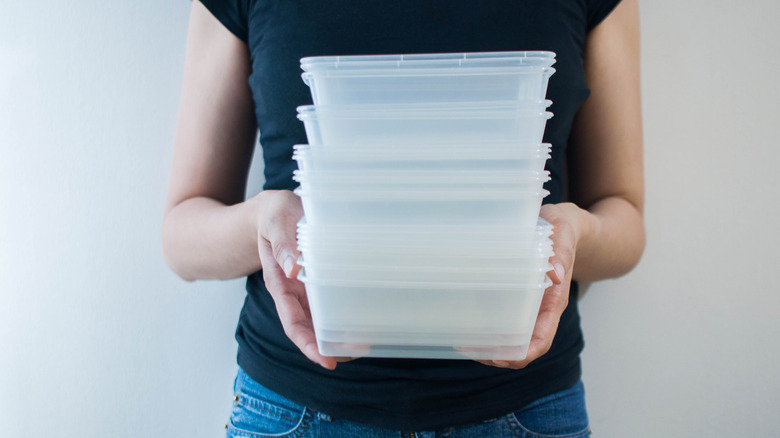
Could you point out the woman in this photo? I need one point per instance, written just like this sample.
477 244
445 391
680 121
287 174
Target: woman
242 73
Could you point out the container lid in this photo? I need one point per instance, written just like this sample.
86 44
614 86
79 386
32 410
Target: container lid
535 253
413 236
423 152
401 269
427 285
395 176
404 237
429 60
535 71
538 245
542 227
427 193
427 110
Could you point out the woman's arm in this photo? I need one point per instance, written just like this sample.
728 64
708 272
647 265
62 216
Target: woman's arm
602 229
208 232
605 156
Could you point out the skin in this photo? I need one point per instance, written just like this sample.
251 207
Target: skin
211 232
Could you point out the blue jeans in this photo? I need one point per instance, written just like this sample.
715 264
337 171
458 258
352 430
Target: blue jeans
260 412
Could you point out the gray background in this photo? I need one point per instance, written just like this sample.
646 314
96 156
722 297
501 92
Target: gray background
98 338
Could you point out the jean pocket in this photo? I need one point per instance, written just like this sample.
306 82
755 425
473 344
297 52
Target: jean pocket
259 412
527 431
560 415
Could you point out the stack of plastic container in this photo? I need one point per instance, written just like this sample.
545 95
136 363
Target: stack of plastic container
421 187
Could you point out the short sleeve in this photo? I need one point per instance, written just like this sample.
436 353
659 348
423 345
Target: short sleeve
232 14
598 10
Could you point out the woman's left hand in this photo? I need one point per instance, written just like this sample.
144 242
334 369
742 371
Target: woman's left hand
564 218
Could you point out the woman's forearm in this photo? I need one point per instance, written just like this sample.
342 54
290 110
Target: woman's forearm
610 238
206 239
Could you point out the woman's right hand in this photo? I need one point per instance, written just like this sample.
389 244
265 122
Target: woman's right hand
276 242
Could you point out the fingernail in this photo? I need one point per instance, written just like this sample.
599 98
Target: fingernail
559 271
289 263
296 270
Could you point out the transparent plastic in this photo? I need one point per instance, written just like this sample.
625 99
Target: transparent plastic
413 180
423 320
423 207
451 77
486 124
482 157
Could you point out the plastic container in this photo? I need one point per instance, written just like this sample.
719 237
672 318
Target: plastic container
451 77
532 272
352 250
478 256
469 248
422 207
473 157
414 180
436 236
542 228
426 60
435 240
484 123
423 320
329 248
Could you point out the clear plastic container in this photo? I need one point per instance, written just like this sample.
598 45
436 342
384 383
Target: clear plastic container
426 60
484 123
451 77
532 272
423 320
413 246
483 256
482 157
423 177
541 230
414 180
422 207
417 158
508 239
449 241
351 251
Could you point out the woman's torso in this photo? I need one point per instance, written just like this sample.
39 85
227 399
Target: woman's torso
402 394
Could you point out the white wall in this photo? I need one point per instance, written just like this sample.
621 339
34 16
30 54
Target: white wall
98 338
687 344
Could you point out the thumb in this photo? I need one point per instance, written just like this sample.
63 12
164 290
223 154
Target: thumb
284 248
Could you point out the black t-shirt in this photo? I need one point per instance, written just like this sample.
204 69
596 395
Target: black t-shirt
397 393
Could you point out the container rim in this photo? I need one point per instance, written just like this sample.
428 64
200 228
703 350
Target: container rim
423 151
538 252
326 148
306 114
425 285
428 177
422 195
454 107
541 225
359 71
547 267
456 59
427 235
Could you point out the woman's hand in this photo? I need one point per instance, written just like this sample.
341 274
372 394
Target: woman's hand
605 176
568 221
277 247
